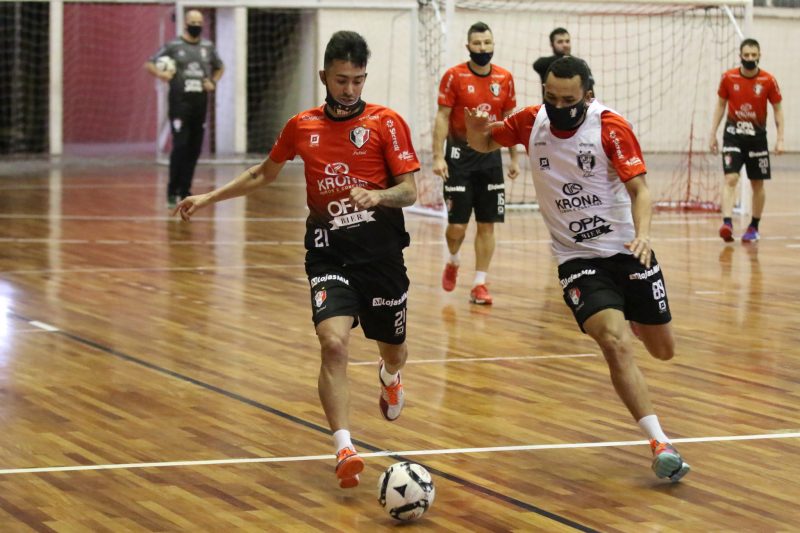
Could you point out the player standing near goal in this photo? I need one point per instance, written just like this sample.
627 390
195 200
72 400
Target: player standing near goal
590 181
198 69
472 180
359 169
745 90
561 44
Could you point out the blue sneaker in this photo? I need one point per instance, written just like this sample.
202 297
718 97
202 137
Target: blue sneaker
750 235
667 462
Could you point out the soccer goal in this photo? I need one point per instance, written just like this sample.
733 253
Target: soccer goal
656 62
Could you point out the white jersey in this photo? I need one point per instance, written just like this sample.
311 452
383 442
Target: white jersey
585 204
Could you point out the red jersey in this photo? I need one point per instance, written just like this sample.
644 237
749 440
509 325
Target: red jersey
461 87
617 138
747 101
367 151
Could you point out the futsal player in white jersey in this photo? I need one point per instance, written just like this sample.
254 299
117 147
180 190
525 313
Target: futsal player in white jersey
589 175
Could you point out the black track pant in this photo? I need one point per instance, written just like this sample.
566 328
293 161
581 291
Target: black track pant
187 142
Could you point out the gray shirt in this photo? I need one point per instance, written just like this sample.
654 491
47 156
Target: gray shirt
193 63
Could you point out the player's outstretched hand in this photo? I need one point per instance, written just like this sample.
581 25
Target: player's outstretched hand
476 119
364 199
189 205
513 170
640 247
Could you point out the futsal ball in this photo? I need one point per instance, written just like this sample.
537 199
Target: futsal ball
406 491
166 63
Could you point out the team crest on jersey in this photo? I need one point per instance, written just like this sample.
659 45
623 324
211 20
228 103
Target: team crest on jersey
758 88
359 136
204 53
494 88
320 297
586 162
575 295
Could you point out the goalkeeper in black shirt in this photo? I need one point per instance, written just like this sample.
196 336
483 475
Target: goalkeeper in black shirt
198 68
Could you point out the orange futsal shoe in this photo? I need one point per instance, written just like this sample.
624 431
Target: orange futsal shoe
392 397
480 295
449 277
348 466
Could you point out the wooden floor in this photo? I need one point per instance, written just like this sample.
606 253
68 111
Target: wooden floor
133 346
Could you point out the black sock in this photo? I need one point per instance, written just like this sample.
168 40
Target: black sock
728 221
754 222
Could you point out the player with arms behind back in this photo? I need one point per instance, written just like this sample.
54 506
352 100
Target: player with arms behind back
589 177
359 169
745 91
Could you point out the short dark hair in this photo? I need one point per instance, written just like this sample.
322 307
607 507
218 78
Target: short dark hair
347 46
478 27
557 31
749 42
569 67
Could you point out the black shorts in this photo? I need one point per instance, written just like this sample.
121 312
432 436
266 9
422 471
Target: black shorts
484 190
753 153
373 293
617 282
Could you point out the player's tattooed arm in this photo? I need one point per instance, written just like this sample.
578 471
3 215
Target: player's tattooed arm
403 194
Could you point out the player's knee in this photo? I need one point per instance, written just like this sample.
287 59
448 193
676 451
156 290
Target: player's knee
486 228
456 231
333 349
663 350
731 179
614 346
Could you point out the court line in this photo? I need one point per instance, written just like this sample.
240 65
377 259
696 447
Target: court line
43 326
396 453
146 269
470 485
482 359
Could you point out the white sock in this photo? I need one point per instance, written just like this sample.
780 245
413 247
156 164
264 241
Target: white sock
652 428
480 278
386 377
455 259
341 438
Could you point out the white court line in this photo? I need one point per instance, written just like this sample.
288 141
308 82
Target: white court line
482 359
145 269
42 325
136 218
709 292
405 453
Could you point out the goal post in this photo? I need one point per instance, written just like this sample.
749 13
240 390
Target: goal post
656 62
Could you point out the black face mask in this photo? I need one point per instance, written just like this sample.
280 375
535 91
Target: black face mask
566 118
749 65
481 58
194 31
340 110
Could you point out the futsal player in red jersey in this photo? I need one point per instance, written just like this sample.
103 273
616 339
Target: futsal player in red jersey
472 181
359 171
745 91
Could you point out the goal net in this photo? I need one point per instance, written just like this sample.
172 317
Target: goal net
656 63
